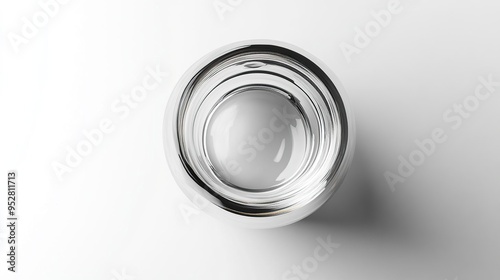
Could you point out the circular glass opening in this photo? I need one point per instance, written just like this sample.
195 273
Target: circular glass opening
260 131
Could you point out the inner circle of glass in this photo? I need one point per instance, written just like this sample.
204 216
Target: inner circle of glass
256 139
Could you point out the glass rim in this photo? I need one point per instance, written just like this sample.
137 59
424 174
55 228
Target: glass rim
250 211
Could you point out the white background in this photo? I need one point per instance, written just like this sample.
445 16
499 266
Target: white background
118 215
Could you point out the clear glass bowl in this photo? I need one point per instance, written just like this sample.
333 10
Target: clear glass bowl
260 131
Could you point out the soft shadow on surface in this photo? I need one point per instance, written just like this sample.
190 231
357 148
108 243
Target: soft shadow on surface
355 202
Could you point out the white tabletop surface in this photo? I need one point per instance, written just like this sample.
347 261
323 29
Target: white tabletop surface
118 214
